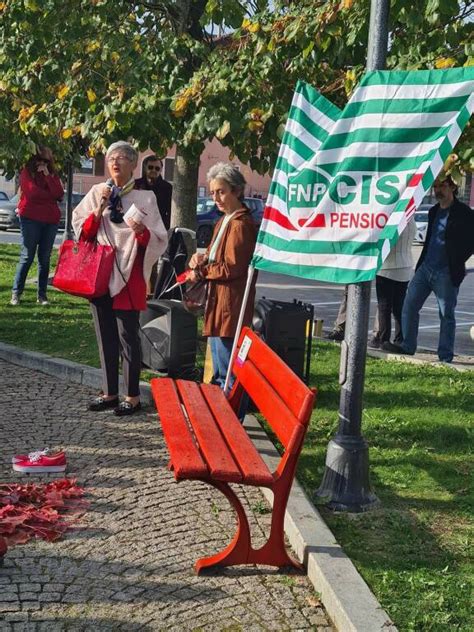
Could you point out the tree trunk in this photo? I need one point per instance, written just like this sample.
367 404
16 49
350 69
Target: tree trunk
185 182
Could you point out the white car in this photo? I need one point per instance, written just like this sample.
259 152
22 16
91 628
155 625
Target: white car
421 221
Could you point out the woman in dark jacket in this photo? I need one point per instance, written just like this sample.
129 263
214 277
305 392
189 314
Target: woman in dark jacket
225 266
41 189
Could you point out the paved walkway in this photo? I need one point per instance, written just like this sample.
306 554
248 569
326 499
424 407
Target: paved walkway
131 568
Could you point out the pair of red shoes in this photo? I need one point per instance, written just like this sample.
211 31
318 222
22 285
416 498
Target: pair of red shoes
41 461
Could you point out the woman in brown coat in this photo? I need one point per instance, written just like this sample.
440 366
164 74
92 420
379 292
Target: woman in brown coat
225 265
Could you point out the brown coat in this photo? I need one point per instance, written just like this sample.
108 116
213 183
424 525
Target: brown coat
227 276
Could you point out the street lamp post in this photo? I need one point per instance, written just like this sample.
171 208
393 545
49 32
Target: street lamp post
346 482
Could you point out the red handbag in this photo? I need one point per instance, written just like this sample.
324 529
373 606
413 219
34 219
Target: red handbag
84 268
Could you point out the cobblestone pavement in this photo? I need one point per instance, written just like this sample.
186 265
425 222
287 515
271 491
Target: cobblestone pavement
131 567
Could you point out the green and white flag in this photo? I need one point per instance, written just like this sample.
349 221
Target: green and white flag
369 168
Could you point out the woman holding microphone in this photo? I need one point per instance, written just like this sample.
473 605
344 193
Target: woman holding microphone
100 216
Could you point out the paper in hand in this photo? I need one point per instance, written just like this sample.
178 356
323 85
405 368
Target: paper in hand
137 214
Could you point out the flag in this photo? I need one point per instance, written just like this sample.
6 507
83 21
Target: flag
348 202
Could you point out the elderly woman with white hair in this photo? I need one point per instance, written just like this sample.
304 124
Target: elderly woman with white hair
225 265
100 216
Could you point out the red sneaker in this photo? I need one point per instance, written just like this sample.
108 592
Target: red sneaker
36 462
24 457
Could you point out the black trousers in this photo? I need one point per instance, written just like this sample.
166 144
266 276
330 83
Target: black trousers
117 333
390 297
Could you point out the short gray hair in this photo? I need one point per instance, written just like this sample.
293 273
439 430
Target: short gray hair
230 174
124 148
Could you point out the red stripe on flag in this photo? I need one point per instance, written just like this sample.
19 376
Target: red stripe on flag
415 180
410 209
275 216
318 222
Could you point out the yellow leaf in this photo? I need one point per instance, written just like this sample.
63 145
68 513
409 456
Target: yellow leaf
181 104
25 113
3 6
92 46
256 114
76 65
114 57
347 4
252 27
445 62
91 95
223 130
31 5
66 133
62 92
255 126
111 125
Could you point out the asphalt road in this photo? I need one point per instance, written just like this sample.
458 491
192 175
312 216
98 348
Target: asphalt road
326 298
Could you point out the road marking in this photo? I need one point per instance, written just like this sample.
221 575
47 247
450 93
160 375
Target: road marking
435 309
458 324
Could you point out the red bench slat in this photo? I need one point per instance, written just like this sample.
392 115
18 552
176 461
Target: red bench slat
251 464
213 447
268 402
291 390
185 457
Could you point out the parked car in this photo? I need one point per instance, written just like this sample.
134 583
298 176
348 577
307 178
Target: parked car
3 196
208 215
9 217
421 221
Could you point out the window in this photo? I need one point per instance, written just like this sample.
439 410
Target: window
168 169
87 166
92 166
201 191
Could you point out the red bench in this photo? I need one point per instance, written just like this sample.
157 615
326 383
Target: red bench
207 442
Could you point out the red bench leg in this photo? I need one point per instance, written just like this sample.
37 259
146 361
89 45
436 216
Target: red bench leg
237 552
273 552
240 550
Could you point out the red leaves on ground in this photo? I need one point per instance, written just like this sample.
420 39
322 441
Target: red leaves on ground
44 510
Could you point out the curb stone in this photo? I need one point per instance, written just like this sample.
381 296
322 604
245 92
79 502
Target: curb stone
345 595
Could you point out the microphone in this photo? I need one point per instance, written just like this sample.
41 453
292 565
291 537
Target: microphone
104 201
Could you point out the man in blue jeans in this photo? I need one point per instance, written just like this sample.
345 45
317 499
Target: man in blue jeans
440 269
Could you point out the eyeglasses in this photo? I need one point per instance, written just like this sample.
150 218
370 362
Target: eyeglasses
152 168
119 159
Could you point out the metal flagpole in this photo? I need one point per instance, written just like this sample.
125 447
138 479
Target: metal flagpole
250 275
346 482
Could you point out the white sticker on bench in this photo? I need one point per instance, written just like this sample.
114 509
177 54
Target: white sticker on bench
243 351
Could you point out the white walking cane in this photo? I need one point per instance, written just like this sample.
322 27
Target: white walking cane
250 274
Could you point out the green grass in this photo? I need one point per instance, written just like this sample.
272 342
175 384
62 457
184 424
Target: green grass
414 550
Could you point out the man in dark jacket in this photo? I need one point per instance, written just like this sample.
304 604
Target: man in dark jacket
151 180
441 268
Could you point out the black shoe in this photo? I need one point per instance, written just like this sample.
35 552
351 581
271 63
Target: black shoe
126 408
374 343
336 334
100 403
393 348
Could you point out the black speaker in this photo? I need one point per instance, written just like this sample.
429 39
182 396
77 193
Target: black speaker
169 337
284 327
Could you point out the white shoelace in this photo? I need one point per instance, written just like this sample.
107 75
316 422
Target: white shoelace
36 456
